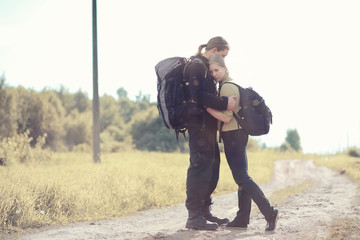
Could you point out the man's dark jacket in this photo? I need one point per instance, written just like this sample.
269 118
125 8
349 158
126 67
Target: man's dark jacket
203 90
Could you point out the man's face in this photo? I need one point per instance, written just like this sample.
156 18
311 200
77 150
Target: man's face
222 53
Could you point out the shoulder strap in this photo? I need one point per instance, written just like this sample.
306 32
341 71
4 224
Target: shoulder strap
220 131
230 83
234 114
195 59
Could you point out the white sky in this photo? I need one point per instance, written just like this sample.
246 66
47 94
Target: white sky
303 57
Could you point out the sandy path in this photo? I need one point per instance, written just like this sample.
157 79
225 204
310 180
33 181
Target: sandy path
302 216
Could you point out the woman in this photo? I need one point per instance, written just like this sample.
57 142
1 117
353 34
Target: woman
203 171
235 141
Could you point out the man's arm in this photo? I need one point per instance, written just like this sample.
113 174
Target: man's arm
199 91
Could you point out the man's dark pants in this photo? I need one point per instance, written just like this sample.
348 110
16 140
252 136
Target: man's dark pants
203 172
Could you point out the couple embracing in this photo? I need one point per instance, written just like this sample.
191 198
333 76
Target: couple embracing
203 171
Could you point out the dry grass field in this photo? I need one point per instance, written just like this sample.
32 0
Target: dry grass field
69 187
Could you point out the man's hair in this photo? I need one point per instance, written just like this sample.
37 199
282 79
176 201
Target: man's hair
216 42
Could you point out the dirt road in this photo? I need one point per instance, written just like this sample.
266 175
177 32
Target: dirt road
305 215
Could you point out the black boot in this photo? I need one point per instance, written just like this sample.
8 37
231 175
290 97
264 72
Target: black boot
271 222
205 211
196 221
237 223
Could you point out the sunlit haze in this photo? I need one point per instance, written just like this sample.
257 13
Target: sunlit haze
303 57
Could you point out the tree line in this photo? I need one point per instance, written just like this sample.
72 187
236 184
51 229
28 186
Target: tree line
63 120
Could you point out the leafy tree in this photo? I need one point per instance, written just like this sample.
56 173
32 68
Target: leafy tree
126 109
82 102
149 133
113 139
142 101
40 113
67 99
285 147
7 110
29 112
70 101
122 93
52 118
64 118
293 139
109 112
77 129
142 97
116 133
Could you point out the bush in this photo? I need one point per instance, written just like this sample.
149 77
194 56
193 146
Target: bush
353 152
77 129
152 135
17 149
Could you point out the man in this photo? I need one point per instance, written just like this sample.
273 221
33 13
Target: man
203 172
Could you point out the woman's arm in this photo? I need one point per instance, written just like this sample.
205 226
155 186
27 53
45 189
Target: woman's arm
219 115
227 115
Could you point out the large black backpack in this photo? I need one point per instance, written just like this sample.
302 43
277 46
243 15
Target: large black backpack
173 93
254 115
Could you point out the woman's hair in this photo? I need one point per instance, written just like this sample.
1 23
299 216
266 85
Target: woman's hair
217 59
216 42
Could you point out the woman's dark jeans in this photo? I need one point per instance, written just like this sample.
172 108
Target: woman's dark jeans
235 150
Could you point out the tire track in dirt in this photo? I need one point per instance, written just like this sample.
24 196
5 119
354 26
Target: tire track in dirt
307 215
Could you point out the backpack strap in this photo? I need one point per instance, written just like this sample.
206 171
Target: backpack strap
236 116
178 131
220 131
194 59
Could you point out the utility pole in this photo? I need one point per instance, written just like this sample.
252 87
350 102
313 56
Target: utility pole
96 108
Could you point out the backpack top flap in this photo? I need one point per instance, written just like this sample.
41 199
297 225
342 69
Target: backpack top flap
165 66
